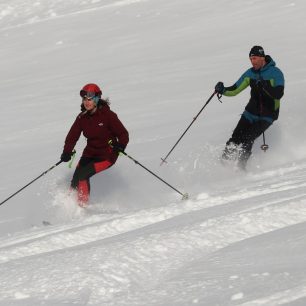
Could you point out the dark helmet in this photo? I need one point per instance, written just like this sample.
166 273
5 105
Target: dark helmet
91 90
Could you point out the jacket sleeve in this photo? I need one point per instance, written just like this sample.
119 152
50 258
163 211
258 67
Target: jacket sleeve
275 86
240 85
118 129
274 92
73 135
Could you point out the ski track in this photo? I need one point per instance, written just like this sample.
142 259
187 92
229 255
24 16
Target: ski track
280 298
96 228
99 227
128 242
125 259
16 11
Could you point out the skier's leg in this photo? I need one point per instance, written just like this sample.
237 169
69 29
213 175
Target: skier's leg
80 180
230 150
86 168
102 165
255 130
83 192
83 162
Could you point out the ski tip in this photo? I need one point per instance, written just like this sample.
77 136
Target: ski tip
185 196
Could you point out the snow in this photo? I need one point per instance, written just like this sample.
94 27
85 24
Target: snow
238 239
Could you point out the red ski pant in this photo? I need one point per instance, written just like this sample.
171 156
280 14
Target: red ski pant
86 168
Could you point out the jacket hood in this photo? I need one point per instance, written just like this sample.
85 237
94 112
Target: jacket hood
269 63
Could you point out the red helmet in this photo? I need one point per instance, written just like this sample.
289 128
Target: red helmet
91 90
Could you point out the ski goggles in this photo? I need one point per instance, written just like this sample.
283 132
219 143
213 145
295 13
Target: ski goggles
89 95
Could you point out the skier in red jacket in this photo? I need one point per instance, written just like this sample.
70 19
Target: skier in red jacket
100 126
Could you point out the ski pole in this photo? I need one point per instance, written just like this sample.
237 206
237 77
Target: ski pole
31 182
264 146
194 119
184 195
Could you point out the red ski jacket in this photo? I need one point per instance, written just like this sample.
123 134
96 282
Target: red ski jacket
99 128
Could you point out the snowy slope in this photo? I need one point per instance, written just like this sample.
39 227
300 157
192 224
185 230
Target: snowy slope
238 240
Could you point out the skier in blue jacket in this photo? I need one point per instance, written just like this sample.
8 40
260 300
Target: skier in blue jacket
267 88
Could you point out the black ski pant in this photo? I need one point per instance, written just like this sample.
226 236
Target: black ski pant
86 168
244 135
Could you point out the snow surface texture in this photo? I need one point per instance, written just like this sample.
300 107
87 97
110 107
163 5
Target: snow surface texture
238 240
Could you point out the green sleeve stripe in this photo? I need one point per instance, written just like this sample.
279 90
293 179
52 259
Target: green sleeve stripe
243 85
276 104
276 101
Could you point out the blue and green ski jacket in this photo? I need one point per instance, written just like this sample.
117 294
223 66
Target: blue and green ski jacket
265 99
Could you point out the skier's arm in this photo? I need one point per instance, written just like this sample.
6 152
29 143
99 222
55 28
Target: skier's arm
118 130
240 85
274 92
275 86
73 136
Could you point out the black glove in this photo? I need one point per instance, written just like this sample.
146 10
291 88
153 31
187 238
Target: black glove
219 88
118 147
66 156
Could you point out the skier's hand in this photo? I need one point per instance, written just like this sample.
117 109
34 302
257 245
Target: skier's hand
66 156
118 147
219 88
